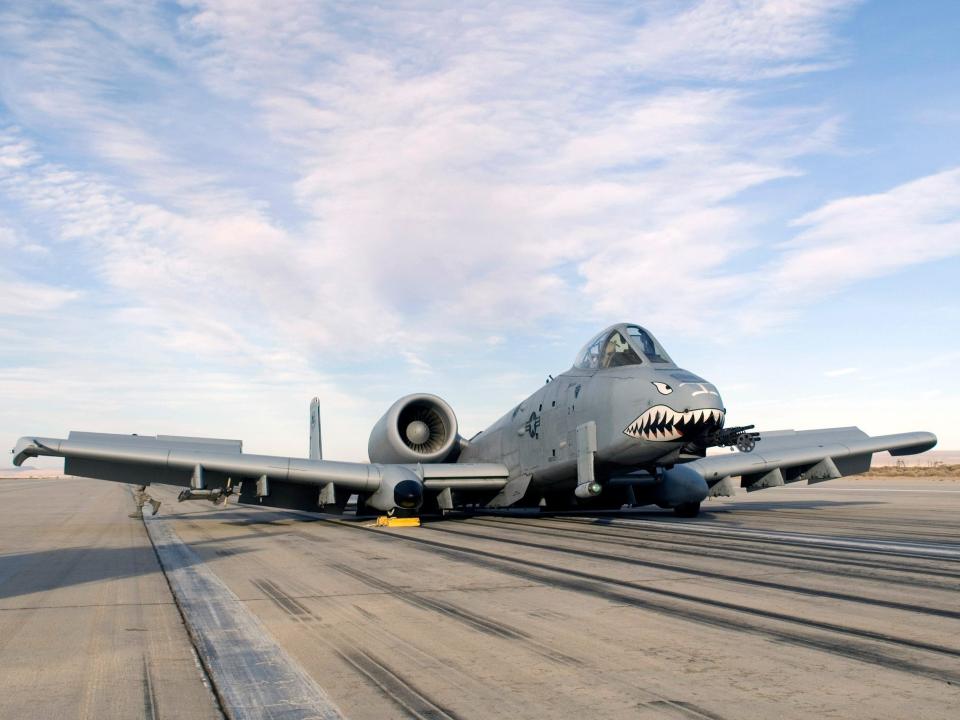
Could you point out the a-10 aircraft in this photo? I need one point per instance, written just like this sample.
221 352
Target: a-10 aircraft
623 427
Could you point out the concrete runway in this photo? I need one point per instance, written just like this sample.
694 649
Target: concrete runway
88 627
838 600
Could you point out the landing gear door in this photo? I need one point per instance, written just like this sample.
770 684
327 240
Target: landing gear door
571 396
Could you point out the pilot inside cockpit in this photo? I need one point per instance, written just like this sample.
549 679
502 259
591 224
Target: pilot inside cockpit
618 352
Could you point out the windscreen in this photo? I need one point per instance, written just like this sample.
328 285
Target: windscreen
589 356
646 344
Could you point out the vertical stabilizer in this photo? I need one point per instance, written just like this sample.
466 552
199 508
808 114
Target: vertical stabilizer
316 445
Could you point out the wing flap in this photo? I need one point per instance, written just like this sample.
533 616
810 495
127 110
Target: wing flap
133 473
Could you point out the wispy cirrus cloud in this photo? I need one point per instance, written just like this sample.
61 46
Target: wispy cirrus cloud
870 235
25 298
733 41
438 164
841 372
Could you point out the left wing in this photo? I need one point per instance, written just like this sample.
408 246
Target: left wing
813 455
295 483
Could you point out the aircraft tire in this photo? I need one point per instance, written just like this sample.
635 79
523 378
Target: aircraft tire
558 501
687 510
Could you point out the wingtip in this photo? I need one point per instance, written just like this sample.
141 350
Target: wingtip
919 442
33 446
25 448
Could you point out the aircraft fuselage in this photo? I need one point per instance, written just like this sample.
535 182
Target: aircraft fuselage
644 415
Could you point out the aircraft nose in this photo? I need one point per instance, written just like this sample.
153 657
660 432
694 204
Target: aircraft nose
683 410
701 405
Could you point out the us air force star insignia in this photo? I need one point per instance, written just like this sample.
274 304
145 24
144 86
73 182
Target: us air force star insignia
533 426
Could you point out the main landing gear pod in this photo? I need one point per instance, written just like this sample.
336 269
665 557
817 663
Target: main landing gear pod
400 489
682 489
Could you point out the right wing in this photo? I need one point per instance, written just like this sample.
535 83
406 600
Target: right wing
209 462
813 455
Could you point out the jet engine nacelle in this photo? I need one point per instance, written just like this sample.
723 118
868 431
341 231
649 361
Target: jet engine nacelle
417 428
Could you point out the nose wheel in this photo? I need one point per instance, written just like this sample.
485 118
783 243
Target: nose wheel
746 442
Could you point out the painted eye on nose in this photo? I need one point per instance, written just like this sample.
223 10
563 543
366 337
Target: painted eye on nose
663 388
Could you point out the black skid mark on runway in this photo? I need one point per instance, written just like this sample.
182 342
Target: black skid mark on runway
590 584
737 579
366 613
447 609
713 547
284 601
393 686
917 529
396 688
750 539
226 552
666 708
150 710
254 521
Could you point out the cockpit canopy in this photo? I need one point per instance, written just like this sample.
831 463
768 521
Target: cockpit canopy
623 344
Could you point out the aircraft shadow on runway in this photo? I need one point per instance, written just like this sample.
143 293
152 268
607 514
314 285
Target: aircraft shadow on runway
728 513
240 516
45 570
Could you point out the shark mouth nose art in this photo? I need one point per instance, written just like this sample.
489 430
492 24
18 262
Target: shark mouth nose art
662 424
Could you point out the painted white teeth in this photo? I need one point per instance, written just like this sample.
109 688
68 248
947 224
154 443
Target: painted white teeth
663 424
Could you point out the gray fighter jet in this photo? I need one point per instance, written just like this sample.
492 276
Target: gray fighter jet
623 427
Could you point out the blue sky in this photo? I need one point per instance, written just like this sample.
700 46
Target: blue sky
211 211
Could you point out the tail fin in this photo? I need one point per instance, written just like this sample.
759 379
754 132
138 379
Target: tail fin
316 445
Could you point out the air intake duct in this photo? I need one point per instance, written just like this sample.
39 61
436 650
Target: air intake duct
416 428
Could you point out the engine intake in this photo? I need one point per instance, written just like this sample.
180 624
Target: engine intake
416 428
